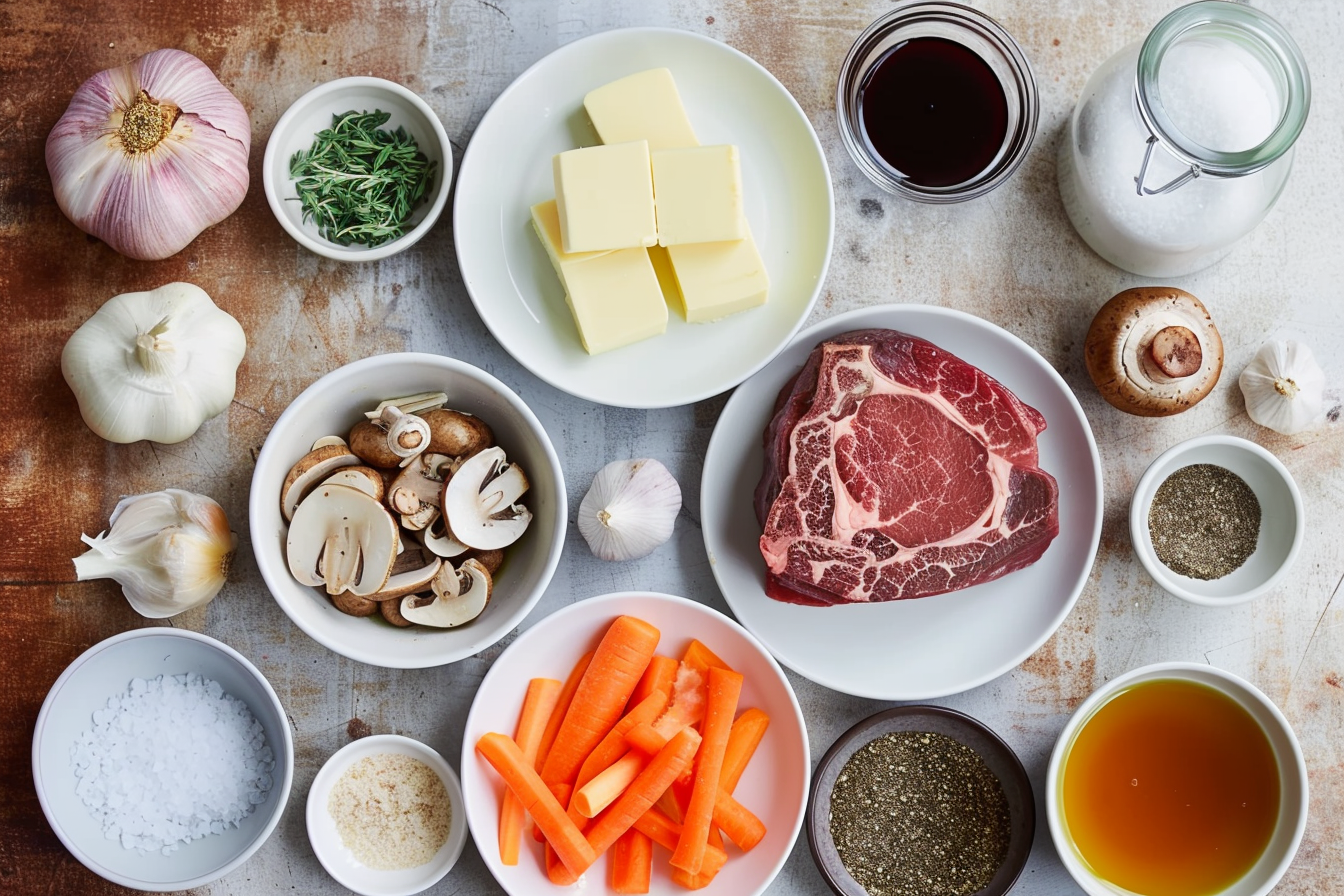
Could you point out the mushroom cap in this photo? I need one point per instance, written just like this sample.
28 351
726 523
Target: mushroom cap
343 539
369 441
456 432
1124 365
312 468
478 501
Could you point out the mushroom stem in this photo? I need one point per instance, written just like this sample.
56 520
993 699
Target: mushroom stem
1176 352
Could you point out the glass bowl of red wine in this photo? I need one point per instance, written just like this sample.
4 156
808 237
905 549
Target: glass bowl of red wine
937 102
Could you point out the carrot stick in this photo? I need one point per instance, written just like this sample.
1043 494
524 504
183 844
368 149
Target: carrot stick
701 658
610 783
745 736
646 788
737 821
721 705
617 665
553 725
538 704
659 676
632 863
665 832
613 746
645 738
504 756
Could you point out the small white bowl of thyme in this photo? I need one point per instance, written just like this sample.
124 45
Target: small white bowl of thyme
357 169
1216 520
385 816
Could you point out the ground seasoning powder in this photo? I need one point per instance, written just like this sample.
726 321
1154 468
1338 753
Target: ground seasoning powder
1204 522
392 811
915 813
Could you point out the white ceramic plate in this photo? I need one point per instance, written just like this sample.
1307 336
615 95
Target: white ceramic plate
774 785
507 169
340 862
932 646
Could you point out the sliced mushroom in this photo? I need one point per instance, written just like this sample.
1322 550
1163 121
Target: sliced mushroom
420 483
326 441
491 560
409 582
365 479
459 596
369 441
1154 351
407 434
439 540
421 519
311 469
411 404
457 433
342 539
479 501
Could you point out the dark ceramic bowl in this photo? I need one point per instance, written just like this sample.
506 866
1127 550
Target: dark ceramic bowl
997 756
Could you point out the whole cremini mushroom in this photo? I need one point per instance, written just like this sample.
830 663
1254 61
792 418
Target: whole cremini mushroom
1153 351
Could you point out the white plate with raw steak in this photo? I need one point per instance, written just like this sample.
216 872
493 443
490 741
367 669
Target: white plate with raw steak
977 453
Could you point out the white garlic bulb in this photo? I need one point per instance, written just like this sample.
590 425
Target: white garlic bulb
154 365
169 550
630 509
1283 386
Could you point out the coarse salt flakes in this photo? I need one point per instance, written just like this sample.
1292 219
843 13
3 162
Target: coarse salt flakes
170 760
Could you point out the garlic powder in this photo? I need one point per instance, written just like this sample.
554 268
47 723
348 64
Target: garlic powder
391 810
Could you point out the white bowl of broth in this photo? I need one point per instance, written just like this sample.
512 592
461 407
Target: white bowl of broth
1177 779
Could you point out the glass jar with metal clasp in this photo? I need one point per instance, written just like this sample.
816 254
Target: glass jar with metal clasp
1181 143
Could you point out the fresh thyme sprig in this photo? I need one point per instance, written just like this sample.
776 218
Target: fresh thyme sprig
358 182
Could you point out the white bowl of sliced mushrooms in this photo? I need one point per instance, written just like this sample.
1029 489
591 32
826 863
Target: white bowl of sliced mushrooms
407 510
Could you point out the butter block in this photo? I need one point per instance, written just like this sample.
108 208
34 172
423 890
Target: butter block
667 278
604 195
719 279
546 222
615 300
642 106
697 194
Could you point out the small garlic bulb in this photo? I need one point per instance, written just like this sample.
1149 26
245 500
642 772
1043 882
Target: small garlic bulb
169 550
630 509
1283 386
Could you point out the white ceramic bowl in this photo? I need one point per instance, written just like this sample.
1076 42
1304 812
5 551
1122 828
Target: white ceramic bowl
340 863
311 113
103 671
335 403
1278 855
1281 520
774 786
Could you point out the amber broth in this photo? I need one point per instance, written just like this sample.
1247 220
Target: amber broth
1171 789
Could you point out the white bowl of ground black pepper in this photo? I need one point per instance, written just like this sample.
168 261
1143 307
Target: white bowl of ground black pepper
162 759
1217 521
385 816
403 185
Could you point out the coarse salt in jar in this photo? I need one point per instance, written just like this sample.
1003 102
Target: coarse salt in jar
1181 143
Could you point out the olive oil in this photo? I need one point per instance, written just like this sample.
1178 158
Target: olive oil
1170 789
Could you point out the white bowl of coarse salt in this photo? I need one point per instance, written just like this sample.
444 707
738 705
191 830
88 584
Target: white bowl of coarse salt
162 759
385 816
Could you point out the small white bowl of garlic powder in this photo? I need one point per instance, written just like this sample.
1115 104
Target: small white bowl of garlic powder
385 816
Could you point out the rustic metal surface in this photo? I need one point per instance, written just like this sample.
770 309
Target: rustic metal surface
1011 257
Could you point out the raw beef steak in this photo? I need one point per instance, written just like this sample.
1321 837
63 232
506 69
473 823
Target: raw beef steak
893 470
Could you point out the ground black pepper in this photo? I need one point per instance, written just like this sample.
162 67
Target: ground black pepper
1204 522
914 813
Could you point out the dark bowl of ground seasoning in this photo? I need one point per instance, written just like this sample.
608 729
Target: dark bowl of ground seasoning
1216 520
920 801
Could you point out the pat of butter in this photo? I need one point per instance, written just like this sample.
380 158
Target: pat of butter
604 195
614 295
697 193
642 106
715 280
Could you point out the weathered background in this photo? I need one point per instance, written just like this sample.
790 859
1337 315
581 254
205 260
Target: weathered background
1010 257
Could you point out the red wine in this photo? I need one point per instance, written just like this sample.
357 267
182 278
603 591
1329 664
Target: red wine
934 110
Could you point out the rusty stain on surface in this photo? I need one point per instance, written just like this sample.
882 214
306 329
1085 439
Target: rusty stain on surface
357 728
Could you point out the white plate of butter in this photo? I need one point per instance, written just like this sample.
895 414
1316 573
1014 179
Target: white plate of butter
786 198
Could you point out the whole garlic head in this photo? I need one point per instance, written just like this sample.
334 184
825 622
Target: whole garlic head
154 365
1283 386
630 509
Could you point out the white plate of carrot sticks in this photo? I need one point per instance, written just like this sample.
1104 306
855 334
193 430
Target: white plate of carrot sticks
658 746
